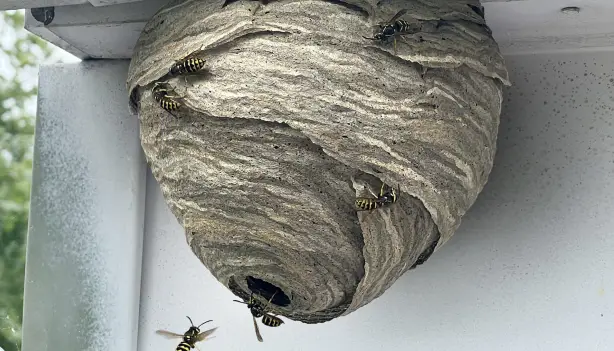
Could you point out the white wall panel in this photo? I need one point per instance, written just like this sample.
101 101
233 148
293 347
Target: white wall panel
529 269
86 217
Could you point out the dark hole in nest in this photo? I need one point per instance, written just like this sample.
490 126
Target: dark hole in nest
266 290
427 252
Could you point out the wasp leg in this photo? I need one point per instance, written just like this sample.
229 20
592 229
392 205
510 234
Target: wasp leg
395 44
256 9
271 299
381 191
371 192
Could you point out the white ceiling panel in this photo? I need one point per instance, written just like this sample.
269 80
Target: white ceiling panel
519 26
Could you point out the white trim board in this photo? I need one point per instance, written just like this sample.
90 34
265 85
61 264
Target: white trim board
520 27
30 4
86 31
526 27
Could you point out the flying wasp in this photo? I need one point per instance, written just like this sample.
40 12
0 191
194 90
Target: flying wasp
190 64
190 337
385 197
160 93
258 310
391 29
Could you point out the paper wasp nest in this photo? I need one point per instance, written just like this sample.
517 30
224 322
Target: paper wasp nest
295 115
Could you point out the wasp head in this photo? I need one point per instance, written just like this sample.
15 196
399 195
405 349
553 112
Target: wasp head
379 36
255 308
191 334
387 31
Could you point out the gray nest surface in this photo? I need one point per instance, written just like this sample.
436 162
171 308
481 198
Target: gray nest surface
295 115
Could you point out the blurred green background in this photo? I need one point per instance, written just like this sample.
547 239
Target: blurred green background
21 54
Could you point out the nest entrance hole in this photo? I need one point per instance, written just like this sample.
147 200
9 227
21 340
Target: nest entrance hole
268 290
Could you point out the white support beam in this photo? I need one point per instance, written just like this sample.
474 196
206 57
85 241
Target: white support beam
87 31
529 27
111 2
519 26
30 4
85 238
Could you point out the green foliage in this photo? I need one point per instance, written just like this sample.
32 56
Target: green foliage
23 52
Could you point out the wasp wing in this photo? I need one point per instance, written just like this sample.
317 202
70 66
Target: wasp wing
193 54
258 336
168 334
399 14
203 335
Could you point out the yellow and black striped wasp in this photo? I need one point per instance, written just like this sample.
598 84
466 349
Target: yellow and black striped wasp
387 197
391 29
169 102
190 64
258 310
190 337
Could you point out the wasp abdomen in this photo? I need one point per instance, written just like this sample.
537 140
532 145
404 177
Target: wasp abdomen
169 104
183 346
191 65
367 203
385 198
160 95
401 26
271 321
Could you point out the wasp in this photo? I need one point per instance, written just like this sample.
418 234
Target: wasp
190 337
391 29
258 310
388 197
160 93
190 64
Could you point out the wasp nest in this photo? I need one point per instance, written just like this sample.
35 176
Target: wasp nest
296 114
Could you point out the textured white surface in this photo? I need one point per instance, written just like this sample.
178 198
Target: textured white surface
86 215
529 269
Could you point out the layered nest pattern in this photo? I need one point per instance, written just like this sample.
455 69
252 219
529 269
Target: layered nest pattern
294 116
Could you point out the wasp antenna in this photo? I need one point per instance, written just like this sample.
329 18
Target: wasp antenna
210 320
240 301
190 319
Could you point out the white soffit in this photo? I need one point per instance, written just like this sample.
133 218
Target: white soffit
86 31
30 4
519 26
